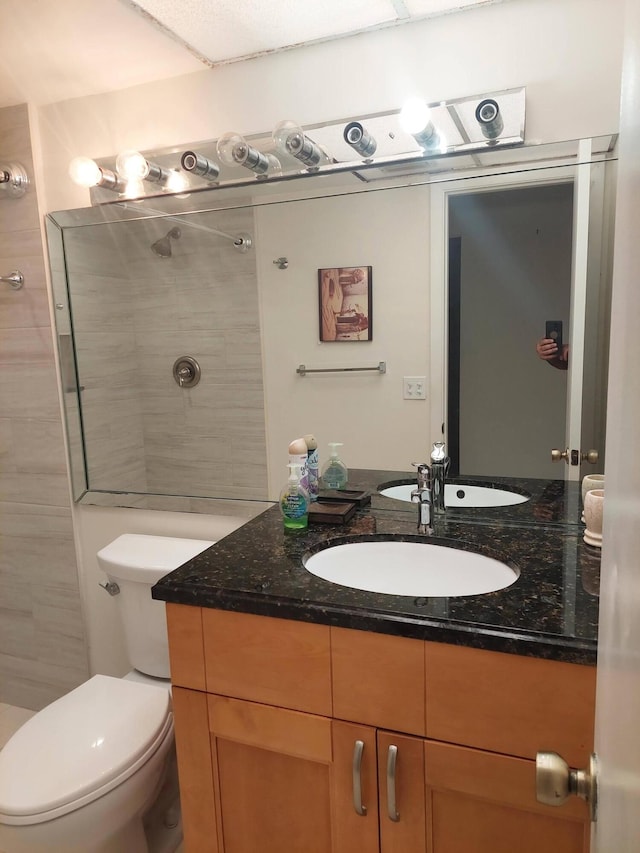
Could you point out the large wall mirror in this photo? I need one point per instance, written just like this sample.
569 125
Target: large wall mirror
182 324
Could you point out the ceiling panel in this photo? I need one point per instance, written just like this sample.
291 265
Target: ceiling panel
225 30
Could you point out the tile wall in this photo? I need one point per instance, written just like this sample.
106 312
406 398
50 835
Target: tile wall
104 333
42 645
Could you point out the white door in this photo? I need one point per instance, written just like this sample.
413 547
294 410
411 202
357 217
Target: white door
582 260
618 694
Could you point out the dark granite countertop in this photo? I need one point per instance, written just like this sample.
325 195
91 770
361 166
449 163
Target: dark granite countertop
551 611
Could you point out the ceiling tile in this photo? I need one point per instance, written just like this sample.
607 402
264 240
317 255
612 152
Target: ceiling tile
229 29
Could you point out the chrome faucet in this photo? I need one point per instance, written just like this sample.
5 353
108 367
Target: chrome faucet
439 471
421 495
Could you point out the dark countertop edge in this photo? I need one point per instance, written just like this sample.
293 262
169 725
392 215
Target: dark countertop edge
560 648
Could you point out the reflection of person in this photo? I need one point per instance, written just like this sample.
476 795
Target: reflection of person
547 350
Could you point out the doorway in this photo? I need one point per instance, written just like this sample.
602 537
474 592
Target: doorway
509 272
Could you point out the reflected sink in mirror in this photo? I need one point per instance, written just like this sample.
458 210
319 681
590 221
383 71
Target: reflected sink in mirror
461 495
413 568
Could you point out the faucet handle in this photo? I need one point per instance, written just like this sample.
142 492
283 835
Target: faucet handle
439 452
424 474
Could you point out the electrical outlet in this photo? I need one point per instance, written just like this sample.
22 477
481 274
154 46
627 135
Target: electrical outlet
414 388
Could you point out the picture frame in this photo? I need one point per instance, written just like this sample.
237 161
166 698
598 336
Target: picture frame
345 303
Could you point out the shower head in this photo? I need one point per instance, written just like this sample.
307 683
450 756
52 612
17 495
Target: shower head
162 247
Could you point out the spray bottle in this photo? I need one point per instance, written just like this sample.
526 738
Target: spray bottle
312 466
298 453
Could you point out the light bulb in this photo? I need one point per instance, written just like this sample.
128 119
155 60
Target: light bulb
290 138
132 165
133 188
85 172
234 150
175 182
414 116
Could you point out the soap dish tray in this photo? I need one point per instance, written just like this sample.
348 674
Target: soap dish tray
331 512
359 498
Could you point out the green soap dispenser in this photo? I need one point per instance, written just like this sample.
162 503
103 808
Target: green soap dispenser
294 500
334 471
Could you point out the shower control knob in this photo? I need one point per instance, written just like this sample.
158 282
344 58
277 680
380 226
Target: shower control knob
186 371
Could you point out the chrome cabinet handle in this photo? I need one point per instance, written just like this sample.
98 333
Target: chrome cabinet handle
358 749
392 758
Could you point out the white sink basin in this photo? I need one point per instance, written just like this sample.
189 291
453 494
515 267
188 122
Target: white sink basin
410 568
461 495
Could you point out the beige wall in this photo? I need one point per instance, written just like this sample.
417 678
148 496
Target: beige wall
388 231
42 647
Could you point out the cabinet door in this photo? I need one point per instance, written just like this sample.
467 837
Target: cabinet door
483 802
401 787
355 788
272 775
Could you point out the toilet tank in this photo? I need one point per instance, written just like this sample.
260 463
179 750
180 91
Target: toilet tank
136 562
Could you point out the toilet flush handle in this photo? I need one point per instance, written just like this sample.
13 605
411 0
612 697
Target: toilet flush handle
111 587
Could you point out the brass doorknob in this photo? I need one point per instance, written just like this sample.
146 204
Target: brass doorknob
591 456
557 455
555 781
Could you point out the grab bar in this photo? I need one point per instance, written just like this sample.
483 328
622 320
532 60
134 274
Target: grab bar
15 279
302 369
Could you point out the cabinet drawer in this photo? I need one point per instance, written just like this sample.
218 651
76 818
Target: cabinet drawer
271 661
378 680
510 704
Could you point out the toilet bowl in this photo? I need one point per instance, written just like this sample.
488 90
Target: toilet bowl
94 772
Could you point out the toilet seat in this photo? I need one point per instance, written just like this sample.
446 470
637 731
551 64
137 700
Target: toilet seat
95 737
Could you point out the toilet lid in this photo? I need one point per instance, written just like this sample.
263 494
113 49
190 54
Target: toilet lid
80 743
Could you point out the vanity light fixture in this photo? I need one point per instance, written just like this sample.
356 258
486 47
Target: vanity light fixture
490 120
13 180
415 118
234 150
86 173
291 139
198 164
359 139
133 166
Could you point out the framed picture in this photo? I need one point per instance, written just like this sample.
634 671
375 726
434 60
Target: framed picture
344 297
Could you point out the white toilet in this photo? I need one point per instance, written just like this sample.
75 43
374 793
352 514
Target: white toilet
94 772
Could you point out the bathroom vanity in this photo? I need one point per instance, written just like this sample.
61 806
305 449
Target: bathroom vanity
312 717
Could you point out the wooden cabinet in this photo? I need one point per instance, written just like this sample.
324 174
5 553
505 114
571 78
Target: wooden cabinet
295 737
481 801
